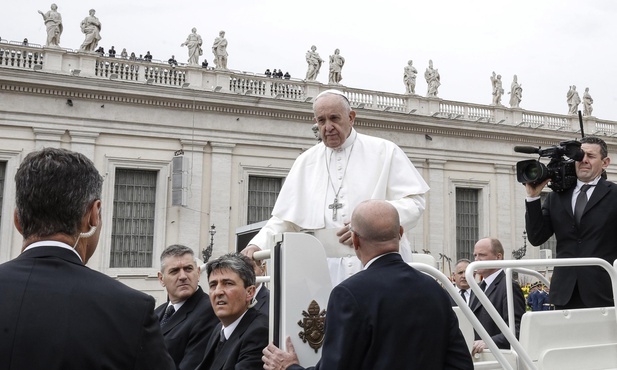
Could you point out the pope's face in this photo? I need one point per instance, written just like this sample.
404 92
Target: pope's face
333 119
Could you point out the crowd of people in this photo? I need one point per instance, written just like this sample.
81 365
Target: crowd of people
277 74
362 225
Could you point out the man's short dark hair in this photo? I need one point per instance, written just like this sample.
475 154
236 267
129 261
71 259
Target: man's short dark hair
54 189
175 250
236 262
596 140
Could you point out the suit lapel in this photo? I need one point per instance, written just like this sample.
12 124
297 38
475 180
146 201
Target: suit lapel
183 312
233 339
602 188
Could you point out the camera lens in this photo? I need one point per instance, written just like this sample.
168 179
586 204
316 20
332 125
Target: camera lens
531 171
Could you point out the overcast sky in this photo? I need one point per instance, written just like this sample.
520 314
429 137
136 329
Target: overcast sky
549 44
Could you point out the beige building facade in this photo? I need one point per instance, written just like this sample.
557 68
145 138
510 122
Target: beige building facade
184 148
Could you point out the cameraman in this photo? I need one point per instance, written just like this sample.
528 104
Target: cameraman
594 235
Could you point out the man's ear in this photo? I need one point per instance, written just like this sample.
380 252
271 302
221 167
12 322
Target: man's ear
16 221
160 276
95 213
250 292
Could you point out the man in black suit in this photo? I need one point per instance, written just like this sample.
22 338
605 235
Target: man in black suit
458 276
237 341
262 293
187 319
494 285
388 316
56 313
594 235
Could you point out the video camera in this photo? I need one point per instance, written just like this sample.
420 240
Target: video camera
560 168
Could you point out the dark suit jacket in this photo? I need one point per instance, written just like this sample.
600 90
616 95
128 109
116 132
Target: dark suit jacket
57 314
263 301
243 349
391 316
496 293
596 236
187 333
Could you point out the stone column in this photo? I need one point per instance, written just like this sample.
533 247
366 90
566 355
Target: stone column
189 228
47 138
220 196
418 239
436 215
84 142
503 224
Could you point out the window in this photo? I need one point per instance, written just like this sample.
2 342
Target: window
467 222
261 197
132 236
551 243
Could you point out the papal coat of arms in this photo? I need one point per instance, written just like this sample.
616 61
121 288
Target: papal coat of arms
313 324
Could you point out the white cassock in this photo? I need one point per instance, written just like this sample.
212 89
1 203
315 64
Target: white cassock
364 167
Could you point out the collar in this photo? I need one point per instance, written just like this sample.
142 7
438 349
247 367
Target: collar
52 243
348 142
227 331
176 305
375 259
579 183
489 279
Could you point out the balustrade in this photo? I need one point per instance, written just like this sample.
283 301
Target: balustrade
19 56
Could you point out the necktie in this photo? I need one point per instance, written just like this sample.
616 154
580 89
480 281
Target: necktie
483 285
581 202
168 312
463 295
222 341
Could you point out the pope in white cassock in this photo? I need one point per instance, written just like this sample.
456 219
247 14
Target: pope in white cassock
330 179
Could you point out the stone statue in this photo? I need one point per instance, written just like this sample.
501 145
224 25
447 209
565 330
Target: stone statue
219 49
516 93
497 89
409 78
193 43
587 102
314 64
336 67
573 100
53 22
433 80
91 27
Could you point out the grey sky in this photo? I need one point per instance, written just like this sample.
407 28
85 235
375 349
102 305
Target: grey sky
549 44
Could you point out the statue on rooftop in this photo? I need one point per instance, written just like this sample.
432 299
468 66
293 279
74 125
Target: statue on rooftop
516 93
409 78
433 80
314 64
53 22
573 100
336 67
193 43
219 49
497 89
91 27
587 102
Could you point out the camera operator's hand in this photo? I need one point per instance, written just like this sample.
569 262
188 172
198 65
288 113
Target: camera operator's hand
534 191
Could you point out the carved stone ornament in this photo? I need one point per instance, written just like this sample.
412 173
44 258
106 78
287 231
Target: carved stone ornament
313 324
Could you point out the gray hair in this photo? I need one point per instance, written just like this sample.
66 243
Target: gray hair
175 250
344 99
54 190
236 262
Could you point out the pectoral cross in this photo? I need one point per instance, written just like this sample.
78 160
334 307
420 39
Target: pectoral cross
334 207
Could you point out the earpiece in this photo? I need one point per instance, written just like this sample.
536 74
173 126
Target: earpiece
89 233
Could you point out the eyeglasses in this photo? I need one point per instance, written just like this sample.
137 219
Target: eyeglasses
354 231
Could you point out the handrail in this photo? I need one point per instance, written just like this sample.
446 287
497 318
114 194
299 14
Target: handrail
447 284
612 271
